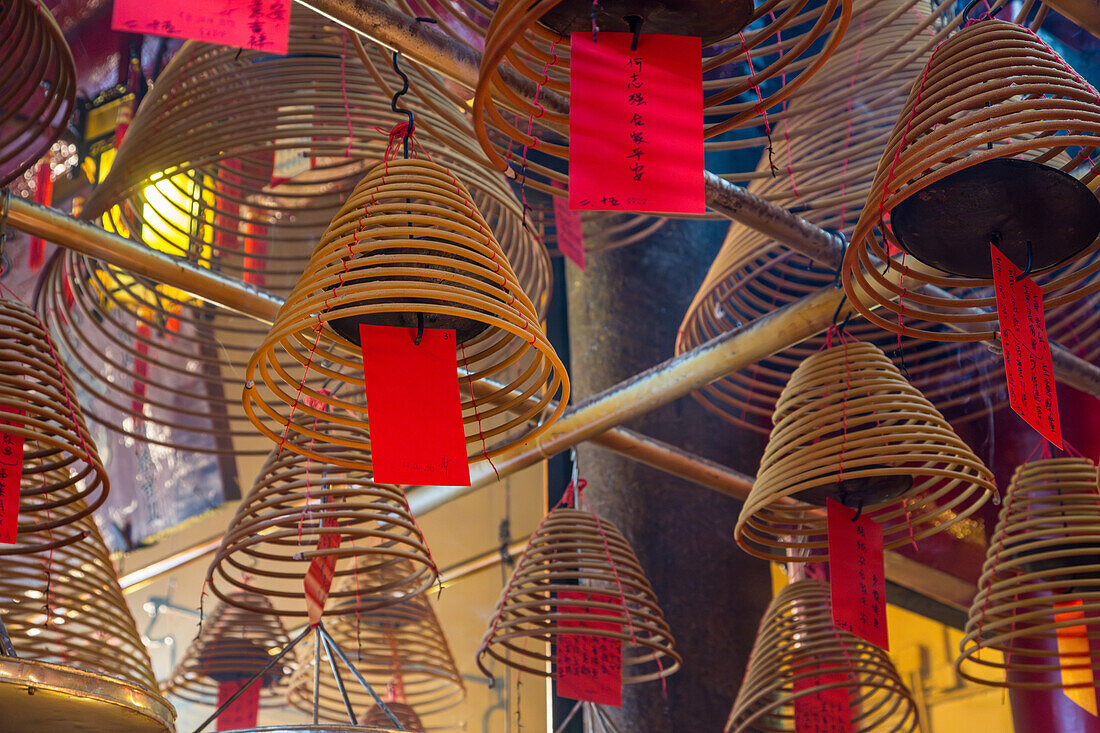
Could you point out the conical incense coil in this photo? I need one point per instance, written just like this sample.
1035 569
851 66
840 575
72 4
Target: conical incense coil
848 426
37 85
63 479
988 146
788 41
404 713
799 654
1040 583
294 503
409 244
232 645
573 550
401 652
64 605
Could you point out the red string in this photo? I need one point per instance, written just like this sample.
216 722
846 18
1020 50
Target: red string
783 82
759 101
344 88
477 415
848 130
552 61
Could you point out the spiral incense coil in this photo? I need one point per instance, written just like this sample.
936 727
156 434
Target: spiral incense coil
232 645
64 605
37 85
63 479
848 426
992 94
408 241
399 649
573 551
799 654
1039 583
404 713
295 502
788 43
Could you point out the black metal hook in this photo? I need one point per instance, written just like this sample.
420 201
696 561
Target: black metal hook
393 104
1027 270
595 28
635 23
419 329
859 511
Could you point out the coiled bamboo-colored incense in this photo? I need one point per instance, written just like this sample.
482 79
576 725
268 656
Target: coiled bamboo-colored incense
993 91
409 240
400 650
848 426
574 551
233 645
799 654
64 605
298 501
63 479
37 85
404 713
1040 583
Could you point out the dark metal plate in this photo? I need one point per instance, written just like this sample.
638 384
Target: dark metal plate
1055 568
950 224
465 328
858 492
711 20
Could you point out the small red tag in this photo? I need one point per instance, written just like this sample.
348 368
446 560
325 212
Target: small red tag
636 123
570 230
1028 367
263 25
319 575
590 667
11 474
245 709
1075 657
825 711
413 406
858 577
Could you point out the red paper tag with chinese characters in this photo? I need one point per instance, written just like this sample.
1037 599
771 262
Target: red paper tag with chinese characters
824 711
590 667
1074 656
636 123
245 709
570 231
319 575
11 474
413 406
263 25
1028 367
857 574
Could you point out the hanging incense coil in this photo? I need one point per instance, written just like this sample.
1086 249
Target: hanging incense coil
788 44
404 713
799 654
37 85
573 550
848 426
196 178
63 479
232 645
63 605
294 503
1039 583
409 244
401 652
992 141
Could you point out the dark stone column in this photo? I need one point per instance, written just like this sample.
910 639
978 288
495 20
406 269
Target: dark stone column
623 315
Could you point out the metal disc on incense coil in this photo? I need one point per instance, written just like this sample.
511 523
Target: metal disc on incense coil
712 20
950 223
864 491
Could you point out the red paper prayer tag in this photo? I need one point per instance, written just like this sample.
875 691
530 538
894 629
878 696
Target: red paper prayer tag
587 667
570 231
636 123
857 573
1028 367
319 575
413 406
1074 656
244 711
824 711
263 25
11 474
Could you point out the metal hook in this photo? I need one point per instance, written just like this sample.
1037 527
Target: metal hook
393 104
1027 270
595 28
419 329
859 511
635 23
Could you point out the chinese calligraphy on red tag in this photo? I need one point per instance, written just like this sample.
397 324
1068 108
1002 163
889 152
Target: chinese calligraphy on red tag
244 711
263 25
319 575
589 667
413 406
1074 656
823 711
1028 368
570 231
11 474
857 574
636 123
